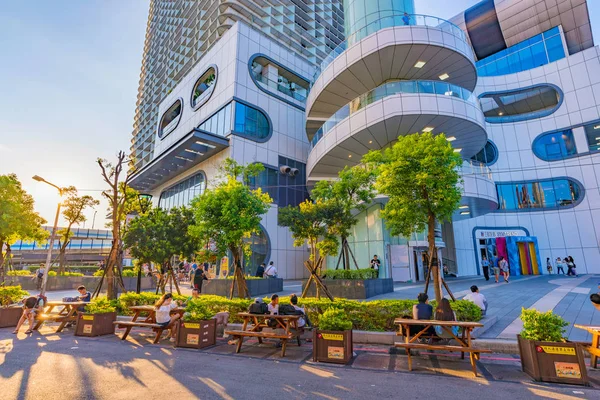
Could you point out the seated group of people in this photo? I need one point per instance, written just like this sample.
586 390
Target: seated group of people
274 308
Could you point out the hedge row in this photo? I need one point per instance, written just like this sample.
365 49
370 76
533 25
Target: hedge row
359 274
375 315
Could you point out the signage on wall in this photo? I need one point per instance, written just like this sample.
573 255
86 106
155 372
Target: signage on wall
496 233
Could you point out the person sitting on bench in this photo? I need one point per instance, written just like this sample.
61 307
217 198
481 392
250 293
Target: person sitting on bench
422 310
163 309
31 306
444 312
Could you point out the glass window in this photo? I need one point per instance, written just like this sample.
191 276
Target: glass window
251 122
521 104
260 248
204 87
219 123
555 146
267 181
182 193
170 119
552 193
592 133
488 155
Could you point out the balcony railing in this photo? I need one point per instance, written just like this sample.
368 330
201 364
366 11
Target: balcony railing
475 168
279 87
389 89
383 21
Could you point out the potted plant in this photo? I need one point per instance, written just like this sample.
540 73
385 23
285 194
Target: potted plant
546 355
98 318
332 341
10 309
198 328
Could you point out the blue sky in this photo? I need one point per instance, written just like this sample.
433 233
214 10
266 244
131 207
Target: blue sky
69 76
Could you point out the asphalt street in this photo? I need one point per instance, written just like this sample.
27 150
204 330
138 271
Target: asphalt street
62 366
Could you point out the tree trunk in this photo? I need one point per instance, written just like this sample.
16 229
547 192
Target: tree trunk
2 260
238 276
62 259
433 259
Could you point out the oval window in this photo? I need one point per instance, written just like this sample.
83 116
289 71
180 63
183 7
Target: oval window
170 119
521 104
488 155
535 195
554 146
204 87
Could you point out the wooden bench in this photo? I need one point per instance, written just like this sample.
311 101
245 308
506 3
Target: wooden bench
128 325
255 323
594 347
68 314
426 326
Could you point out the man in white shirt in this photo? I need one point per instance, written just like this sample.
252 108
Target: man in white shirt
477 298
271 271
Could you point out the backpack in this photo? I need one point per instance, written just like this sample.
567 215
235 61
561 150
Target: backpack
288 309
258 308
40 274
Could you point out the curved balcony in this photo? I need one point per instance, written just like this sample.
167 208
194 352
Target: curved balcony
479 195
376 119
407 47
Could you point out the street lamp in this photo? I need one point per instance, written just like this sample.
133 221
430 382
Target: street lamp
49 256
145 202
94 220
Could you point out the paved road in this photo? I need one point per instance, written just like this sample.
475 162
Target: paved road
52 366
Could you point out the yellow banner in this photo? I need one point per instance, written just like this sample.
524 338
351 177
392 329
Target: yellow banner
191 326
333 336
88 317
569 351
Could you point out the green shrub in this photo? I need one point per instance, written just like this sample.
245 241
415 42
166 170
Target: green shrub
230 277
358 274
197 310
19 273
542 326
11 295
334 320
129 299
101 306
54 273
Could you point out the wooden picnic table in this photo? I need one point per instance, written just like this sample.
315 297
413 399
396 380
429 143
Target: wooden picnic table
255 323
67 314
427 326
148 322
594 349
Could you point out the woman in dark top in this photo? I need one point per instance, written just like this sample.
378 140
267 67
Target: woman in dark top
422 310
199 278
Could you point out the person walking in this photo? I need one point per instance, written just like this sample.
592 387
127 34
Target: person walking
496 269
485 264
560 266
39 276
199 278
549 265
571 267
503 264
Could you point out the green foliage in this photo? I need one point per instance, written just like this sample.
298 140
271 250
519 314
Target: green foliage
309 224
231 212
334 320
248 277
419 174
542 326
101 306
11 294
464 310
364 273
19 273
197 310
159 235
54 273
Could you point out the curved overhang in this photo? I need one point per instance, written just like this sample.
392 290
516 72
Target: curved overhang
391 54
478 188
379 124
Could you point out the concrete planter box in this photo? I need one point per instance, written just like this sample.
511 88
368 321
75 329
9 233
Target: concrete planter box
72 282
197 334
9 316
257 287
332 346
95 324
354 288
558 362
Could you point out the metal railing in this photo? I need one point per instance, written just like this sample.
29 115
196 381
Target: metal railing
475 168
388 21
389 89
279 87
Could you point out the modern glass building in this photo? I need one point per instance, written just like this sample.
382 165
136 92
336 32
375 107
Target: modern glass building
307 87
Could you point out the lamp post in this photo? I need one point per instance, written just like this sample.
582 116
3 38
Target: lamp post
94 220
49 256
145 201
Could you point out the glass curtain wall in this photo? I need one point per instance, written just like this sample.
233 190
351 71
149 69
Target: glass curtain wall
358 13
551 193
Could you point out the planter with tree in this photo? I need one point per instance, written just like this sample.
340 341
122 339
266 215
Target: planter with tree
332 341
97 319
546 355
198 328
10 310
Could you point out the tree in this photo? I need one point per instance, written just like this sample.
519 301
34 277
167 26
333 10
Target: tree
73 208
18 219
160 235
419 175
309 224
352 192
228 213
118 204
